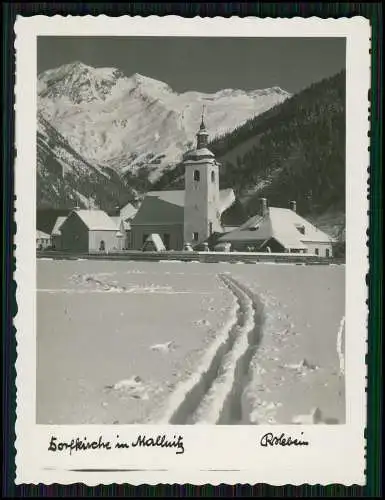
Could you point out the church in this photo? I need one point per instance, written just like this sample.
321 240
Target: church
189 216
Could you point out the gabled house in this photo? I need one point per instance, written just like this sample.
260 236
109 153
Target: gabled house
89 231
276 229
43 240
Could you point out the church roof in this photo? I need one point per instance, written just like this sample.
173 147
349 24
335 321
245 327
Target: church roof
282 224
167 207
199 154
161 207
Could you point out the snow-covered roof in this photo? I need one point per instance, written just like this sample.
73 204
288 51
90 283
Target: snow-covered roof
128 211
284 225
226 199
119 221
156 240
41 235
199 154
167 207
56 228
287 222
96 220
228 229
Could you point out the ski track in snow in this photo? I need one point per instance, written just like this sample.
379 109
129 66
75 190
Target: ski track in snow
213 394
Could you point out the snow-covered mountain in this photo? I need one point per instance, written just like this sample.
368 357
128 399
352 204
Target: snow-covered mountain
124 123
65 179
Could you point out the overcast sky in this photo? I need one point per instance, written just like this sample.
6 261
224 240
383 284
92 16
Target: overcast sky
204 64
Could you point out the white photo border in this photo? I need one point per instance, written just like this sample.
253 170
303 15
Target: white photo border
213 454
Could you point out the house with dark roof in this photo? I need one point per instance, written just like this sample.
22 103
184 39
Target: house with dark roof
276 229
89 231
189 216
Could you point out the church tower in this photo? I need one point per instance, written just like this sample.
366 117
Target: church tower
201 207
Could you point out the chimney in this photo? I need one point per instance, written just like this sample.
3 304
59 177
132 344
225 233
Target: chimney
263 206
293 206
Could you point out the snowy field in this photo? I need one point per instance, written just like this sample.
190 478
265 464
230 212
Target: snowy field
188 343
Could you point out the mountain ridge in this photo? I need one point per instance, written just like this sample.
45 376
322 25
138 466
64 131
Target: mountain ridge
125 122
292 149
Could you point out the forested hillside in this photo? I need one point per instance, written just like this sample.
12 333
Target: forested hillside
296 150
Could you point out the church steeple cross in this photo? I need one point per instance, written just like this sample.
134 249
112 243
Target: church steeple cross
203 116
202 135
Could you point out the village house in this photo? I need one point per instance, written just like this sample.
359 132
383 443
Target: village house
279 230
190 216
122 222
43 240
89 231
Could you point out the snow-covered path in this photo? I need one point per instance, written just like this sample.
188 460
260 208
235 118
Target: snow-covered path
213 394
185 343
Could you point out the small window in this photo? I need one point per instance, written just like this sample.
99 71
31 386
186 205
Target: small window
327 252
316 251
210 228
212 176
197 175
195 236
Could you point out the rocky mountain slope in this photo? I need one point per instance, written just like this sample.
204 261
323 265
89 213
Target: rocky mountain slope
65 179
127 123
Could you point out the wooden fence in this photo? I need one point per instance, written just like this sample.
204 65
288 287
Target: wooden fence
203 257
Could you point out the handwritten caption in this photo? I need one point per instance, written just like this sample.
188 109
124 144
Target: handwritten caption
141 441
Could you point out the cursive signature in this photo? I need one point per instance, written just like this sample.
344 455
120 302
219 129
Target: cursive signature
282 440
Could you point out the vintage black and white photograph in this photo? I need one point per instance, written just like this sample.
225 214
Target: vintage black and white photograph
161 164
192 198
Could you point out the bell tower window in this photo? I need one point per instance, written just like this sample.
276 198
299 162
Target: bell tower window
212 176
197 175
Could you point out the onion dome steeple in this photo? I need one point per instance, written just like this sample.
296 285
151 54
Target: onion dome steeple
202 135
